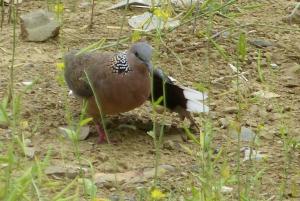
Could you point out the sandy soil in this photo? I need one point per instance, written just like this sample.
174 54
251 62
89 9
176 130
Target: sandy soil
44 106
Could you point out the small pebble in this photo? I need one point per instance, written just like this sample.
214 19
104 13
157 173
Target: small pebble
224 123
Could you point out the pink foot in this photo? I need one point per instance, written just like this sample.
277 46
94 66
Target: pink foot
102 134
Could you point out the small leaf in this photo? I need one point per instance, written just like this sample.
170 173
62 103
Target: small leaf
151 133
225 171
242 51
4 102
295 189
259 70
220 49
85 121
4 120
187 149
158 101
189 13
190 135
92 47
201 87
202 140
205 4
89 187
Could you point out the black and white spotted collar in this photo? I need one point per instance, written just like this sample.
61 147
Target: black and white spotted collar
120 63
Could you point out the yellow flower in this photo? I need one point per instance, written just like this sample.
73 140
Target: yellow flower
24 124
164 14
136 36
60 66
59 8
157 194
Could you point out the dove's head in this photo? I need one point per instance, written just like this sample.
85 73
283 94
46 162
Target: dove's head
143 52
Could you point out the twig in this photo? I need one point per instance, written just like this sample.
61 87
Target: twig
4 50
237 71
195 19
116 27
92 15
11 72
271 198
190 48
9 10
2 14
228 76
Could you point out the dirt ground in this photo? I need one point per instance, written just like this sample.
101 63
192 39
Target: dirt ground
44 106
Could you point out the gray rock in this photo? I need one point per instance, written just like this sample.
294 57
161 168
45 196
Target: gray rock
162 169
170 145
29 152
231 110
4 124
28 143
292 84
274 66
247 134
252 154
121 198
224 123
58 171
265 94
84 5
261 43
267 134
130 177
106 179
102 157
275 117
82 134
39 26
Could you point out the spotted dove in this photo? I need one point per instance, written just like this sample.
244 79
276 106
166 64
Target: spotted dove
122 82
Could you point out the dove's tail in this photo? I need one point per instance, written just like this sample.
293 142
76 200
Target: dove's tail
177 97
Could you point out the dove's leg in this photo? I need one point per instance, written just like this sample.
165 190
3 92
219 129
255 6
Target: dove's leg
101 132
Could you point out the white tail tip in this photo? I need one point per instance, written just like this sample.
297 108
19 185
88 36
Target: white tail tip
196 106
192 94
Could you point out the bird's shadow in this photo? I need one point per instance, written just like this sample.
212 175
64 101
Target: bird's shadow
131 126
